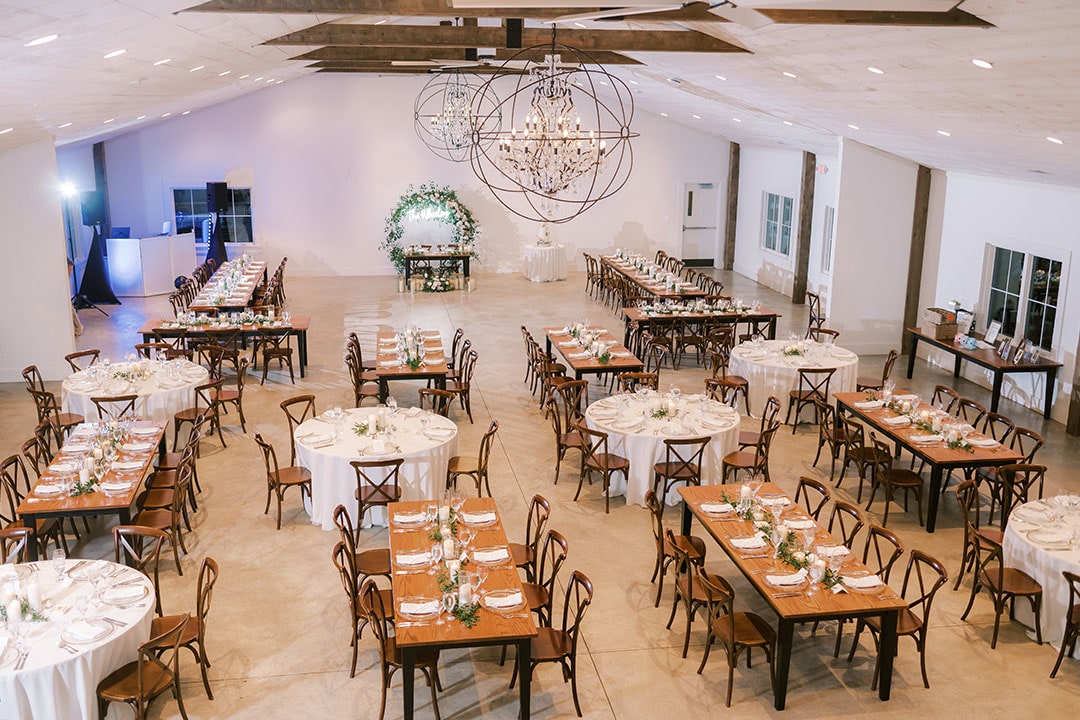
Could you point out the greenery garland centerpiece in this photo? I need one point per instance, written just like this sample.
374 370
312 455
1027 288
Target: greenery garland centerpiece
436 202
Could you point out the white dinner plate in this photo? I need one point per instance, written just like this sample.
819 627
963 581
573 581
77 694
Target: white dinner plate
48 490
125 594
102 628
1050 538
504 602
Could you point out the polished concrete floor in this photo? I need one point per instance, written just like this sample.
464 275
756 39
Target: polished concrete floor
278 629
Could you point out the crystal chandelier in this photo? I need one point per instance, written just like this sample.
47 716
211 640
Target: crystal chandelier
443 114
573 146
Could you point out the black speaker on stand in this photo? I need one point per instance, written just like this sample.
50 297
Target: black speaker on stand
95 286
217 201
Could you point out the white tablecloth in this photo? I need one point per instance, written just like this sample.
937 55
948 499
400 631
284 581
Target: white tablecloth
1043 564
166 391
770 372
643 443
544 263
54 683
333 480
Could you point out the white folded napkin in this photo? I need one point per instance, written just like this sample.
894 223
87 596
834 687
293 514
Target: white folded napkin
770 501
477 518
621 354
579 356
125 592
925 438
62 467
800 524
792 579
503 601
626 424
137 447
832 551
76 447
904 398
984 442
1050 537
83 630
862 581
411 559
568 343
378 447
439 432
1032 513
388 363
144 431
318 441
716 508
898 421
46 489
491 556
869 404
85 429
113 486
127 465
409 518
428 607
749 543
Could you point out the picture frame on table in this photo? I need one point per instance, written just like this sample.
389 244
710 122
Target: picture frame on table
992 332
1018 356
1004 346
1031 352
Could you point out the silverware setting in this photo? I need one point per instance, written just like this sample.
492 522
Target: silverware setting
114 622
64 645
754 557
786 595
22 659
412 624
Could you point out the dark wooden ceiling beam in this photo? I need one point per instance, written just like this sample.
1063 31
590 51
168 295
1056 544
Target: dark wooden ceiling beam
389 69
951 18
399 8
438 36
384 54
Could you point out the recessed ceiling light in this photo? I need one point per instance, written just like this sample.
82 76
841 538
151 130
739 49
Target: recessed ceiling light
696 117
245 75
257 79
166 115
946 133
853 127
5 131
633 82
876 71
380 22
580 25
790 74
270 80
141 117
984 64
663 114
109 121
162 62
603 83
1056 141
788 122
279 82
114 53
41 40
197 67
223 74
186 112
720 77
736 120
61 127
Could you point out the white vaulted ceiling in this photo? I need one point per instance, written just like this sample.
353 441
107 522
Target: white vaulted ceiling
998 120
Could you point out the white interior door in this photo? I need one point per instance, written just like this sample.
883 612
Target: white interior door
701 202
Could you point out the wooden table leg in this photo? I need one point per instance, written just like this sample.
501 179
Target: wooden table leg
935 494
911 355
782 661
995 392
886 651
524 655
956 365
384 390
30 521
1051 386
686 517
408 669
772 329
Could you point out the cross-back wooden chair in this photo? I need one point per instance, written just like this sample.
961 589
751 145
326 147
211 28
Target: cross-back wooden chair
13 544
595 458
1003 584
462 386
874 383
720 359
49 409
157 670
884 475
683 460
1072 621
378 483
847 520
82 359
813 494
813 387
475 467
280 479
115 407
274 345
692 547
629 382
753 463
152 350
140 548
208 403
297 410
525 554
436 400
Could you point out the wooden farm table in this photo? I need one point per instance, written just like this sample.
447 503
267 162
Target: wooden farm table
625 361
937 456
439 260
36 506
793 608
387 367
657 290
240 298
989 359
492 629
298 327
660 323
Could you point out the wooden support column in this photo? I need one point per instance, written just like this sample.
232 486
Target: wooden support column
731 215
101 184
1072 424
915 257
806 220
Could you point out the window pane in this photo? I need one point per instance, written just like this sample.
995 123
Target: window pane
1055 282
241 202
241 227
1048 328
772 207
1000 276
788 203
1040 279
1016 272
785 238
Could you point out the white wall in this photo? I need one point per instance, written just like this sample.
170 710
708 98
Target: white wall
1040 218
35 316
329 155
764 170
873 239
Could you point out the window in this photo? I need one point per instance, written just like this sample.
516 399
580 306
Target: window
1023 295
190 213
779 214
827 239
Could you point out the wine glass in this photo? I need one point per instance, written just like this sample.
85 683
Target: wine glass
59 561
836 560
756 481
432 513
391 402
449 602
457 499
436 556
808 537
817 574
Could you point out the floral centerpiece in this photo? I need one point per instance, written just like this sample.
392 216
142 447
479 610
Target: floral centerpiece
439 202
792 350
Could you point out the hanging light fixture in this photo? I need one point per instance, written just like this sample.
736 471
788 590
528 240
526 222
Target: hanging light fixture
444 114
568 146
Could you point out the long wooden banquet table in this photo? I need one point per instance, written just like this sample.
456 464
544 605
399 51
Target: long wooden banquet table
937 456
39 505
297 326
794 607
493 628
240 297
388 367
661 323
621 360
657 290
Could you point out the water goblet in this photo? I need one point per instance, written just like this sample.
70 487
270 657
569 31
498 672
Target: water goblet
836 560
59 561
431 511
756 481
808 537
82 604
817 574
457 499
449 602
436 557
391 403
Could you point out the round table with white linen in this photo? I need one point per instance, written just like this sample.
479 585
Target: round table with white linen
1038 540
544 263
425 440
61 682
771 372
639 437
164 389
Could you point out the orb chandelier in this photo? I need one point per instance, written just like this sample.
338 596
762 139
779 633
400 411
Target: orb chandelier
443 114
568 146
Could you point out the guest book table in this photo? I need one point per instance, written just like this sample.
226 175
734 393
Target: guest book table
544 263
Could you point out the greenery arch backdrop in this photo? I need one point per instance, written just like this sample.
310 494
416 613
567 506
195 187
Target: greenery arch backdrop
434 202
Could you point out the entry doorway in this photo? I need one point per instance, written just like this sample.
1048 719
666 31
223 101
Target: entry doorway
700 214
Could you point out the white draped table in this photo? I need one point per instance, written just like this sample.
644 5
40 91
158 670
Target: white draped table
58 683
637 436
425 440
544 263
1037 541
163 389
770 372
